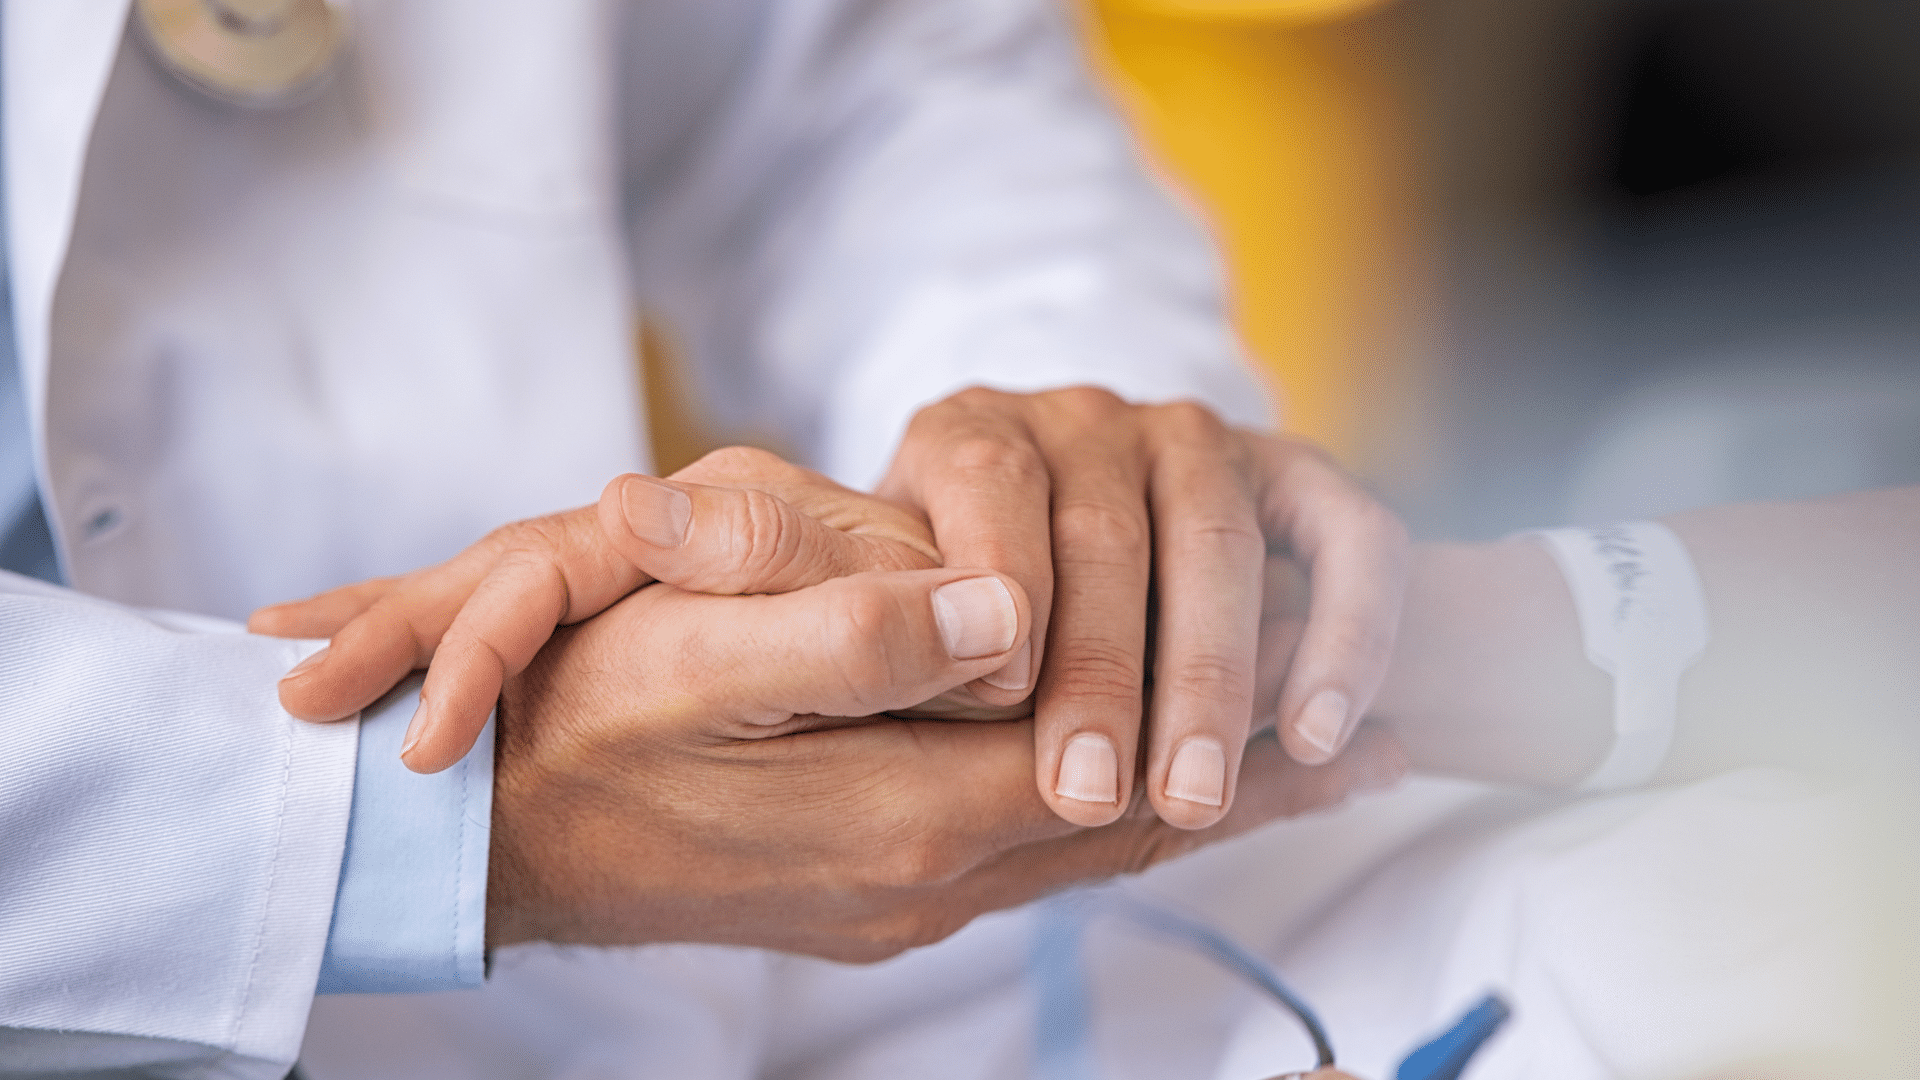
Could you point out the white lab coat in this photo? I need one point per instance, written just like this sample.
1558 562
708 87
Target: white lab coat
1756 923
269 353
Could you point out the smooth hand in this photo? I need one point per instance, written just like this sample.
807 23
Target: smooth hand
1100 509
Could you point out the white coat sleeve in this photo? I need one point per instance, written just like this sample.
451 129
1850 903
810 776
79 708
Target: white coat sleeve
903 198
170 841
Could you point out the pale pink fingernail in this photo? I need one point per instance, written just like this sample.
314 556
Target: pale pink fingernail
976 617
1017 673
656 512
1198 773
313 658
416 727
1089 770
1322 721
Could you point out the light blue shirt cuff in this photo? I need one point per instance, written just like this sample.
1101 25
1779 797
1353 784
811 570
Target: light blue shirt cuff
410 913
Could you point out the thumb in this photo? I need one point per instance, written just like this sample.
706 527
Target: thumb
848 647
732 540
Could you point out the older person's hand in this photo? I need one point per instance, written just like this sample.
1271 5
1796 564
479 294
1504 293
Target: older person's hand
1089 504
738 521
682 768
690 767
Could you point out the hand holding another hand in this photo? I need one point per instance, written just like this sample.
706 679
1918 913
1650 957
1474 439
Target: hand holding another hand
690 767
738 521
659 778
708 767
1093 505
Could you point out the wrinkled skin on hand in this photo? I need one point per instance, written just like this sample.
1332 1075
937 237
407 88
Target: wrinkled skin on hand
723 767
628 810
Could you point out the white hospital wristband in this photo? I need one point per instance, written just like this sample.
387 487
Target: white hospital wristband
1644 622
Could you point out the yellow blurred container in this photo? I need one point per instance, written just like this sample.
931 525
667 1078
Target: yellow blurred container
1281 118
1283 121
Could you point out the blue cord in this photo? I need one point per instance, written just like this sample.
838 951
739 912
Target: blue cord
1228 954
1446 1057
1063 1044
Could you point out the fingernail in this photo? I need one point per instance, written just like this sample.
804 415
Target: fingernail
1089 770
416 727
1323 719
1198 773
1017 672
976 617
657 513
313 658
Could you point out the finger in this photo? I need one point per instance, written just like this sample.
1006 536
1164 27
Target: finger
320 616
1355 552
1272 786
853 646
1208 552
814 495
400 631
554 571
378 647
729 540
1283 610
1089 706
973 465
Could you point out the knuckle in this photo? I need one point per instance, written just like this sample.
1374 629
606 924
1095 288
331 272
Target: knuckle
1302 453
1211 678
957 408
1360 523
974 398
1382 524
1100 672
766 544
733 464
506 537
917 862
887 936
547 540
1083 524
1215 537
1369 641
1189 420
997 463
861 627
1086 405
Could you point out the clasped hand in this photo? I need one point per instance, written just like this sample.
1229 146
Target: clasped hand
709 717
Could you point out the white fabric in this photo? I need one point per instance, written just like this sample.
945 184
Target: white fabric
1643 621
169 837
1754 924
1751 924
270 353
955 1011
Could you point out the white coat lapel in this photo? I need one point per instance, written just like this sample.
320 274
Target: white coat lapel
58 54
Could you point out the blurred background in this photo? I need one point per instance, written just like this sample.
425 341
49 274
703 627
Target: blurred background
1527 262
